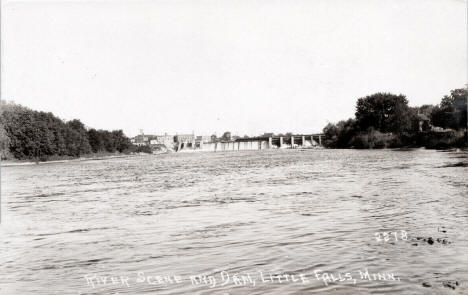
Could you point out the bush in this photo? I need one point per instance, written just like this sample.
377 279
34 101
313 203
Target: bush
373 139
444 140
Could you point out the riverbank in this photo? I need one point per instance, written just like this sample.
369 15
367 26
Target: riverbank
15 162
374 139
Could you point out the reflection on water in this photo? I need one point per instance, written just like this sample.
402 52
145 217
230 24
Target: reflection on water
275 212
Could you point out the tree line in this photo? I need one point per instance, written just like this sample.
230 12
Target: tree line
386 120
30 134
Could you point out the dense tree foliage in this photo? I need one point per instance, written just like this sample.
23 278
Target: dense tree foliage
340 135
451 112
384 112
386 120
29 134
103 140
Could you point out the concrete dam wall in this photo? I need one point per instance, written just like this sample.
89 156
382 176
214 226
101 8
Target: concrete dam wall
232 146
254 143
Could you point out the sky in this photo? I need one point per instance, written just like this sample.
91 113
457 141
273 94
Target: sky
209 66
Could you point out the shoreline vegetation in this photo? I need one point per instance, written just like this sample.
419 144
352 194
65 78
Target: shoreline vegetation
31 136
382 120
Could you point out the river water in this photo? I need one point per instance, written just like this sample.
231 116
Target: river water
257 222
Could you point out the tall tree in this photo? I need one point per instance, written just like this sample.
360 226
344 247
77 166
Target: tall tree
4 142
95 140
121 142
77 138
384 112
452 110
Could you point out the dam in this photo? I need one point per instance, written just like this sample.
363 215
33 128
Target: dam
253 143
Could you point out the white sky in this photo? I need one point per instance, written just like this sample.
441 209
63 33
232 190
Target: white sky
245 66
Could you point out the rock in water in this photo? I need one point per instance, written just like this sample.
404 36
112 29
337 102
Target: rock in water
426 284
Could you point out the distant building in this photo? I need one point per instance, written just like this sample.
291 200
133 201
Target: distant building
140 140
184 138
203 139
424 122
167 140
440 129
